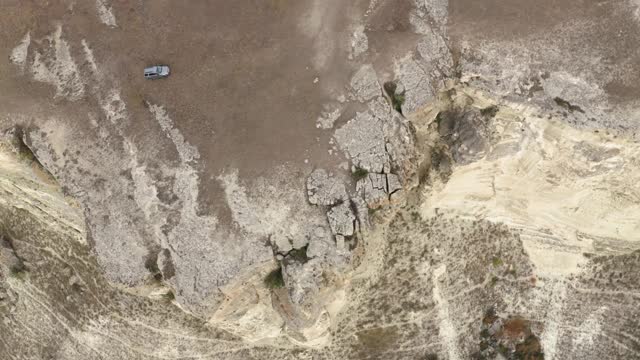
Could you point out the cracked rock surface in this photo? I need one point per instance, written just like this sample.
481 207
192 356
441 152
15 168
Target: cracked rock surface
364 84
342 219
323 189
378 140
363 139
376 189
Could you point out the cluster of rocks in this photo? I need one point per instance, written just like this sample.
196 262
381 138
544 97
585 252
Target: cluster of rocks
378 189
324 189
380 143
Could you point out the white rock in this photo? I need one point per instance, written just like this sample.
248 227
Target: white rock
282 243
359 42
340 243
19 53
323 189
105 13
373 189
342 220
364 83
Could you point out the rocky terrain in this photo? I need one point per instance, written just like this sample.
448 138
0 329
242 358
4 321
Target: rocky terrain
320 179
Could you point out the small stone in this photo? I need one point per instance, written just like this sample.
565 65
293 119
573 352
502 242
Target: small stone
319 232
282 244
341 219
400 89
73 280
299 242
340 243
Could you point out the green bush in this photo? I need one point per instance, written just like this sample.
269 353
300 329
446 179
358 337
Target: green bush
397 101
359 174
496 261
274 279
18 271
299 255
489 111
170 296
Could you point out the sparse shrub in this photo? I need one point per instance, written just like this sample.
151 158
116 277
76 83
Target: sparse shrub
496 261
397 100
26 155
18 271
489 111
299 255
359 173
274 279
567 105
169 297
397 95
503 350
